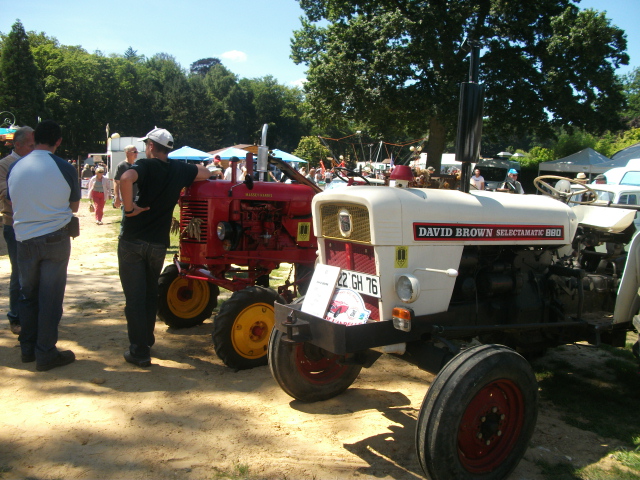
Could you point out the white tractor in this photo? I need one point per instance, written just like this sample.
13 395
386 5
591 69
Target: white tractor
424 273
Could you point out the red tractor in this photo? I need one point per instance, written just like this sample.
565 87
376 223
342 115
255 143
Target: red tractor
232 235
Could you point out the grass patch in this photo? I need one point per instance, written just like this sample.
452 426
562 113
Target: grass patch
240 472
600 397
566 471
589 403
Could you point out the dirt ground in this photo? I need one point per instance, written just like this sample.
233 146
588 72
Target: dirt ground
190 417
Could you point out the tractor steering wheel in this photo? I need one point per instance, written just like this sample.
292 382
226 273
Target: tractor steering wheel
352 173
542 185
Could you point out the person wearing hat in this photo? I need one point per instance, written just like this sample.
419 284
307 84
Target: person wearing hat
581 178
601 179
511 183
144 235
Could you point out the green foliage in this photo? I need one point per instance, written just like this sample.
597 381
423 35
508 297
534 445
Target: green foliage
202 66
311 150
20 86
207 108
391 65
541 154
568 144
609 144
631 83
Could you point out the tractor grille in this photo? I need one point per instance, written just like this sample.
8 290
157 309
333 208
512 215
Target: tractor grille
359 218
189 210
359 258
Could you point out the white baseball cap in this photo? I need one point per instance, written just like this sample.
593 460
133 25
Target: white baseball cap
161 136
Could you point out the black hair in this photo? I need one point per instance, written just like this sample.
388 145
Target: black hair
47 132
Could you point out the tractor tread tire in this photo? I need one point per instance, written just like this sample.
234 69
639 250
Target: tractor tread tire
225 321
168 276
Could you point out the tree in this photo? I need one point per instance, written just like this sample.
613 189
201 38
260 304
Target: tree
20 87
399 65
202 66
131 54
311 150
631 82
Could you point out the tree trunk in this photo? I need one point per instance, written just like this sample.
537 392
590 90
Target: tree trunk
435 146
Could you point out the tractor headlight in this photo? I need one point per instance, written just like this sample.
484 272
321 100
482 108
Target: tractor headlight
407 288
224 230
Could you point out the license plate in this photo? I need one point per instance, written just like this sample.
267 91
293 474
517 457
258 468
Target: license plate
360 282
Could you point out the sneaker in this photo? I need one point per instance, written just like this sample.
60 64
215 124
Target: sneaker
64 358
28 358
139 362
15 328
99 222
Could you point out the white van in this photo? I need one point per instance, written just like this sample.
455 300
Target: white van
629 175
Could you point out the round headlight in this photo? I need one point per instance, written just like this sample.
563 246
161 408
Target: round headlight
407 288
223 230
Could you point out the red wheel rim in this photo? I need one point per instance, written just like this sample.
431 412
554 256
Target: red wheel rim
490 426
317 365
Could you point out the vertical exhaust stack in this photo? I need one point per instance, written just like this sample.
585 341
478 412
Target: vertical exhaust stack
470 117
263 156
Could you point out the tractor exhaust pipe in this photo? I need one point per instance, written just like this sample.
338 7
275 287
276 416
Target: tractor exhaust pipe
469 117
263 156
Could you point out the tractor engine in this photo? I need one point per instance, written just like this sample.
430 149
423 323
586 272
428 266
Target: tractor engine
264 226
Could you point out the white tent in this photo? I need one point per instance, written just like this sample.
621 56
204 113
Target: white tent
587 161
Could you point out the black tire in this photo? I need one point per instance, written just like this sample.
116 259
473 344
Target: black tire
486 394
242 327
306 372
184 303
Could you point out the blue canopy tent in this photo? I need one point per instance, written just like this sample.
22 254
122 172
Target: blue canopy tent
227 153
287 157
188 153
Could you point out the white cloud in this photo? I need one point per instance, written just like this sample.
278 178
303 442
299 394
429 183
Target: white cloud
298 83
235 56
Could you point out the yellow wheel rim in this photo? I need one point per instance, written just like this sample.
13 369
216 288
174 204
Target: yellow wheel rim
187 298
251 330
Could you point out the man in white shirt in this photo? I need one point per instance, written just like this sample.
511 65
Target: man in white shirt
240 170
477 180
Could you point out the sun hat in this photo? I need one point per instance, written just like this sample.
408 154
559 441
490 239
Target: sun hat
601 177
581 176
513 171
161 136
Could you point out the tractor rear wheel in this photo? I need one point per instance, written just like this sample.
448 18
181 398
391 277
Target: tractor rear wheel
308 373
478 415
242 327
184 302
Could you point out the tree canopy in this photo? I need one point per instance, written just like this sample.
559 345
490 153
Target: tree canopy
207 107
20 87
386 64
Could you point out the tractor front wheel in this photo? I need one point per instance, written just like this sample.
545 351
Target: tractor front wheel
307 372
478 415
242 327
184 302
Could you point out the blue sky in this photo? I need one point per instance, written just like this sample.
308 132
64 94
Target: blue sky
251 37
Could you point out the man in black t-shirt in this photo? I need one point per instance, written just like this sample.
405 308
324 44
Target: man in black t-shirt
131 153
144 236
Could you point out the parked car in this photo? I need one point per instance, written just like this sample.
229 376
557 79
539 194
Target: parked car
612 194
629 175
495 171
